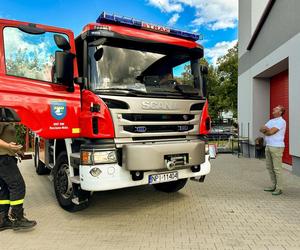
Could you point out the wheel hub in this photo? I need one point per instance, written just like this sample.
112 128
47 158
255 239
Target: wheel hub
63 181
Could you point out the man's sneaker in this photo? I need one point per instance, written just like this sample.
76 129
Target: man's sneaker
5 222
270 189
277 192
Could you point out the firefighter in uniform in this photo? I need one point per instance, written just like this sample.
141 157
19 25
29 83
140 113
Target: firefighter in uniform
12 186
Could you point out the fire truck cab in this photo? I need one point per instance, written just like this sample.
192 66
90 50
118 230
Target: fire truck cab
122 105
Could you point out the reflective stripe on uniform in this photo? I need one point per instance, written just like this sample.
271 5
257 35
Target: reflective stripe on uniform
4 202
17 202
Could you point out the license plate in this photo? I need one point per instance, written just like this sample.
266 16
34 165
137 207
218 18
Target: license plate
164 177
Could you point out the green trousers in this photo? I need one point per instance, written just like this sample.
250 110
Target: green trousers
274 165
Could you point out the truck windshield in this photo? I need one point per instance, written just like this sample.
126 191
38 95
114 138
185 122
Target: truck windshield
114 68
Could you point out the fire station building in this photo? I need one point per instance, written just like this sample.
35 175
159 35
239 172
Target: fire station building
269 70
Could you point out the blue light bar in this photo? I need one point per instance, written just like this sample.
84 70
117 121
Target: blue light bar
115 19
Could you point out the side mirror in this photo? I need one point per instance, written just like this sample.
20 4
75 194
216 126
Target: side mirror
8 115
198 77
62 42
64 69
204 73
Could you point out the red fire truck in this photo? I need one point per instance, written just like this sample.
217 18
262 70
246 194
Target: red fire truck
121 105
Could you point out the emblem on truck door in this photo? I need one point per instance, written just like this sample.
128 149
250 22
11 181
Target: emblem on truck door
58 109
158 105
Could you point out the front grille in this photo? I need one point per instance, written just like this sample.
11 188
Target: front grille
157 117
167 118
152 138
140 129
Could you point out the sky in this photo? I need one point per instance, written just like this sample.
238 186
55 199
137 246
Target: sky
215 20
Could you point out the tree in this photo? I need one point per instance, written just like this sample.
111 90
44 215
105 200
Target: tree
221 83
228 72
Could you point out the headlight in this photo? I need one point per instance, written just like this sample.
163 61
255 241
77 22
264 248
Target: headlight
97 157
206 149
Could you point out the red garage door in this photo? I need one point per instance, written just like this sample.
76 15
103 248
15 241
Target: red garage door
279 95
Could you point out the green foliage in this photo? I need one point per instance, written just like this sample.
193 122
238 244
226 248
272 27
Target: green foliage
28 65
214 93
21 133
187 77
228 71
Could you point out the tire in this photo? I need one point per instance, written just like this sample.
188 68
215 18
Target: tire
170 187
64 189
40 167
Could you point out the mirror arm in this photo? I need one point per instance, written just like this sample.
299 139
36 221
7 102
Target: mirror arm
82 81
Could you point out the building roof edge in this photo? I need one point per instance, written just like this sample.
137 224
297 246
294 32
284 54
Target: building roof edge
261 23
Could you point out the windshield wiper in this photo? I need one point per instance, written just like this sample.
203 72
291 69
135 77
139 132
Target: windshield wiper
136 92
120 90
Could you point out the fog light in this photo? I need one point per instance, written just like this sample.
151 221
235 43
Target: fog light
195 168
95 172
137 175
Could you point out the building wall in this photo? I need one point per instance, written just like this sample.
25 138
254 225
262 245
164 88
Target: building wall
276 49
281 25
244 25
250 12
257 8
261 104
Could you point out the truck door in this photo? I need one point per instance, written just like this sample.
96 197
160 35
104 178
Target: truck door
28 83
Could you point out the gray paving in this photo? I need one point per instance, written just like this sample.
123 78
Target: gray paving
228 211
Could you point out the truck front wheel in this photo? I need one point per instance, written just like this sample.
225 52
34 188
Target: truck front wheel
170 187
64 188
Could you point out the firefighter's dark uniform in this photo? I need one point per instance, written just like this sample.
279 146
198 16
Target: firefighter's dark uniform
12 185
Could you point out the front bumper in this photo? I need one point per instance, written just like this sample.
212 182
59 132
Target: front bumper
114 177
151 156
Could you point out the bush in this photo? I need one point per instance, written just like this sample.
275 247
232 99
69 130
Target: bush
21 133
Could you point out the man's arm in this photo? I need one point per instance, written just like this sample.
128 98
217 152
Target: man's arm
10 146
269 131
263 129
4 144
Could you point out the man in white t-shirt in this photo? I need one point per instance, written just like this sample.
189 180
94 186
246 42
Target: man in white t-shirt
274 131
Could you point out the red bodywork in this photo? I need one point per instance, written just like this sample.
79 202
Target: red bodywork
105 126
205 122
31 99
144 34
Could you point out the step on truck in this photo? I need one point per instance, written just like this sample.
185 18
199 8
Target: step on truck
121 105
